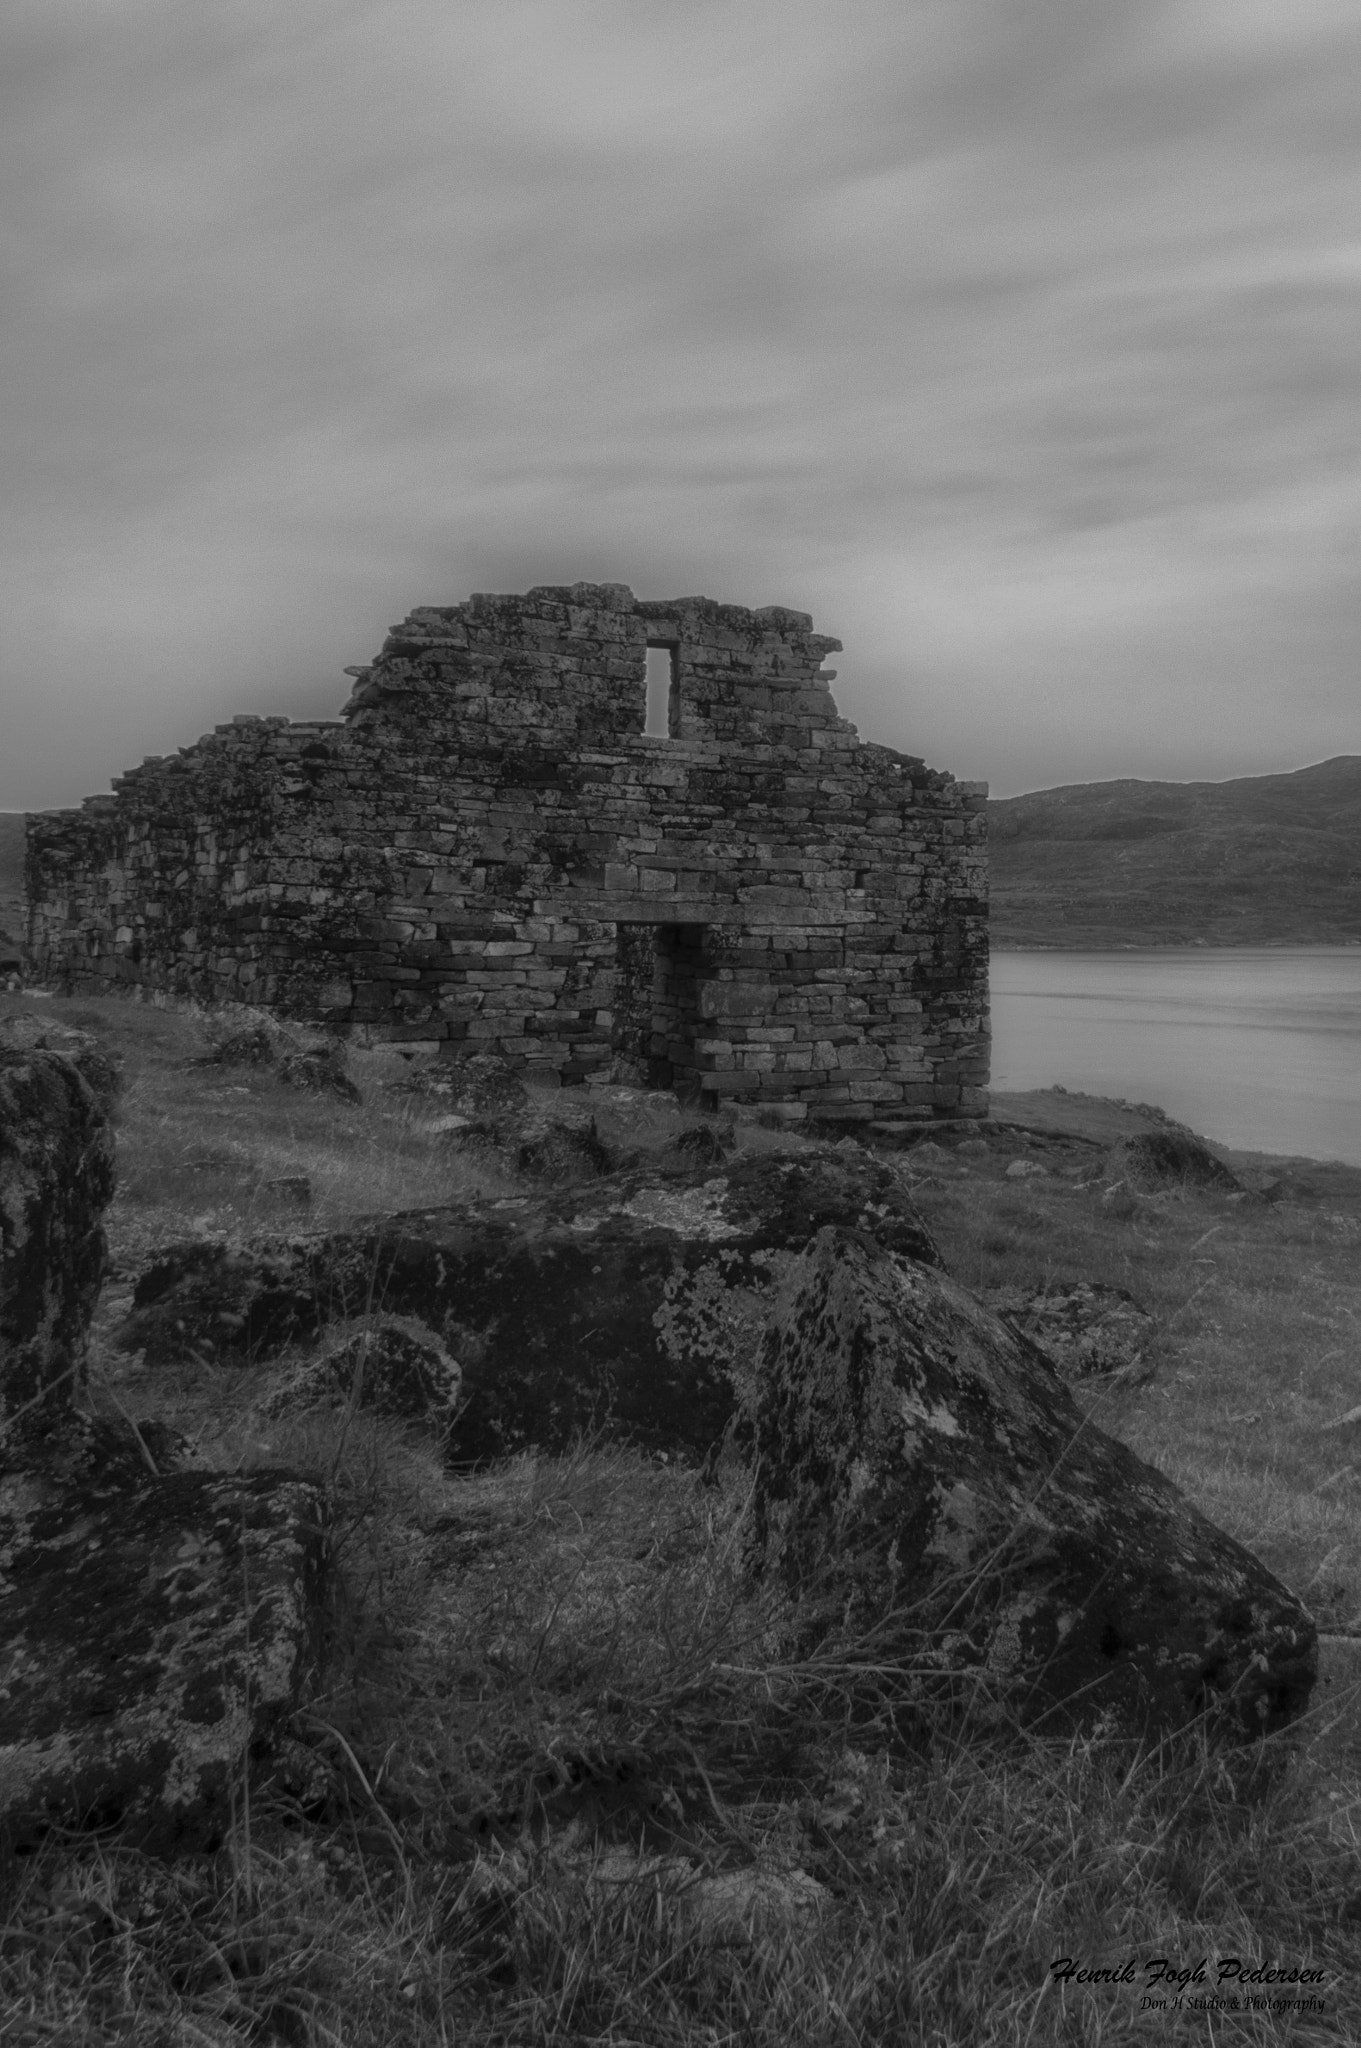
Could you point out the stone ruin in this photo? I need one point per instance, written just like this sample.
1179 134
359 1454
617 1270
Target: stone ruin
498 848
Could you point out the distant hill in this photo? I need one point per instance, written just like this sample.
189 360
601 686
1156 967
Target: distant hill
1263 860
11 880
11 853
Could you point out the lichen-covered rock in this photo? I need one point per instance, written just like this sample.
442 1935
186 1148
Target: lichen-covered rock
321 1070
384 1365
252 1046
1170 1158
919 1456
482 1085
155 1621
704 1144
155 1632
56 1174
1083 1326
239 1303
632 1304
538 1145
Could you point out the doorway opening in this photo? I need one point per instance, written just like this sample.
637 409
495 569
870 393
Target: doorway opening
659 970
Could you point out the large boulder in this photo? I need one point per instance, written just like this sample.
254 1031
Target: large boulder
155 1622
56 1175
156 1632
922 1462
633 1305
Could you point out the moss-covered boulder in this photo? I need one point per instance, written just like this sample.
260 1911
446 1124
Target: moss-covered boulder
156 1623
633 1304
922 1463
156 1632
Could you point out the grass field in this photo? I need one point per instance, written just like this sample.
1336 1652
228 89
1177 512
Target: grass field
567 1782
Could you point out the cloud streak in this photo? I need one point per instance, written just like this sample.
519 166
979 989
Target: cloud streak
1018 343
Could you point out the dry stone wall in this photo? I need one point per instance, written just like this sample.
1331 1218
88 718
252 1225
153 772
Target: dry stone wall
488 851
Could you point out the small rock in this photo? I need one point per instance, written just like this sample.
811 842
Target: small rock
754 1905
1347 1421
385 1365
252 1047
484 1086
1170 1158
291 1187
322 1070
1084 1326
705 1143
550 1148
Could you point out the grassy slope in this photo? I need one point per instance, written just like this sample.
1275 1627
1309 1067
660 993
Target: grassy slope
530 1667
1266 859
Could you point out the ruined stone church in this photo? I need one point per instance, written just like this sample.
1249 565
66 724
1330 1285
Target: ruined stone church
595 834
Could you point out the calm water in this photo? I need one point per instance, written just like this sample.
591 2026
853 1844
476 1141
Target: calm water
1259 1048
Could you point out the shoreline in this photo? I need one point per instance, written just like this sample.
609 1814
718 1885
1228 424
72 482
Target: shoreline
1104 1119
1004 945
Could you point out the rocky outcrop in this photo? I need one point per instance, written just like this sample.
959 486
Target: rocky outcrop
632 1304
56 1175
156 1632
922 1462
156 1622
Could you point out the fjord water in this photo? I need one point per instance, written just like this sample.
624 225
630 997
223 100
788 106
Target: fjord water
1257 1047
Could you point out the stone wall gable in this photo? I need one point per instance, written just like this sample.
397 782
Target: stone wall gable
453 860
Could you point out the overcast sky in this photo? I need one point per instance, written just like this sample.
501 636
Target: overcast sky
1017 340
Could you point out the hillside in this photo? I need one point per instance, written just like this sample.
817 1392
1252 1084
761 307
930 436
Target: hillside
1262 860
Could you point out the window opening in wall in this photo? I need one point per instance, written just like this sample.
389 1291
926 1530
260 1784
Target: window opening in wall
663 696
